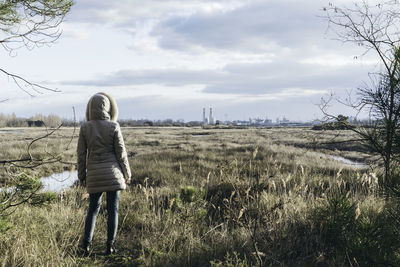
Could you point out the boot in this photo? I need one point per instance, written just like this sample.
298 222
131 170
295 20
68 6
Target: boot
84 248
111 249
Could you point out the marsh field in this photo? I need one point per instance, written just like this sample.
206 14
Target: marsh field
211 197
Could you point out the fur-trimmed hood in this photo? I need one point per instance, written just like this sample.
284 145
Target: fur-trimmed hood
102 106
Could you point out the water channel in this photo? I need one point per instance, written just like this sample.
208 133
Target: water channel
348 162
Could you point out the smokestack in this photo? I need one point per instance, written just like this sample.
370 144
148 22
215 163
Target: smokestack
204 115
210 120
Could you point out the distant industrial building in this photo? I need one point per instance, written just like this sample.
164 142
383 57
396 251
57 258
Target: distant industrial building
260 121
282 121
211 119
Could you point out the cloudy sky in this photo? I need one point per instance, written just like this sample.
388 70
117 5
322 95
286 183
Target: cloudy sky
170 58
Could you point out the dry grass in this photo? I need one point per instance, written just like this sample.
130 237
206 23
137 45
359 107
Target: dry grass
212 196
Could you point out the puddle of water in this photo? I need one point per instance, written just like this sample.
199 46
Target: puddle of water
59 181
55 182
348 162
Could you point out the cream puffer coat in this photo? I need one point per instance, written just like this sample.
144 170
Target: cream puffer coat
102 158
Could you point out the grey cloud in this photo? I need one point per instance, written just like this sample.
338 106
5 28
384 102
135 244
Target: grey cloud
88 11
249 79
116 13
252 26
272 77
248 28
125 13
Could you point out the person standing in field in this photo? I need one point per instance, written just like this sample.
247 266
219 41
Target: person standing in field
102 165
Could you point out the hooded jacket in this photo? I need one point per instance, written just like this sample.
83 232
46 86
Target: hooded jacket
102 157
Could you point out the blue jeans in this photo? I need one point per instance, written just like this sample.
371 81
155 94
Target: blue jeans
93 211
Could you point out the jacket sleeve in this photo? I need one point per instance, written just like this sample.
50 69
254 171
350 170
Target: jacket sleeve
121 154
81 154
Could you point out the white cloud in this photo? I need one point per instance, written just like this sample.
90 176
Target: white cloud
75 31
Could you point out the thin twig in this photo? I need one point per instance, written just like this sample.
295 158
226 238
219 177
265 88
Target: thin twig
18 78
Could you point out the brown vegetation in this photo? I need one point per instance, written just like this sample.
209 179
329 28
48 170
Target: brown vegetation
217 197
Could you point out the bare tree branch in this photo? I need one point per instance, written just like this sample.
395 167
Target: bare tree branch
374 28
30 24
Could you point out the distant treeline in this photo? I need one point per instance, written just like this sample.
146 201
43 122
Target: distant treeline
39 120
52 120
166 122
